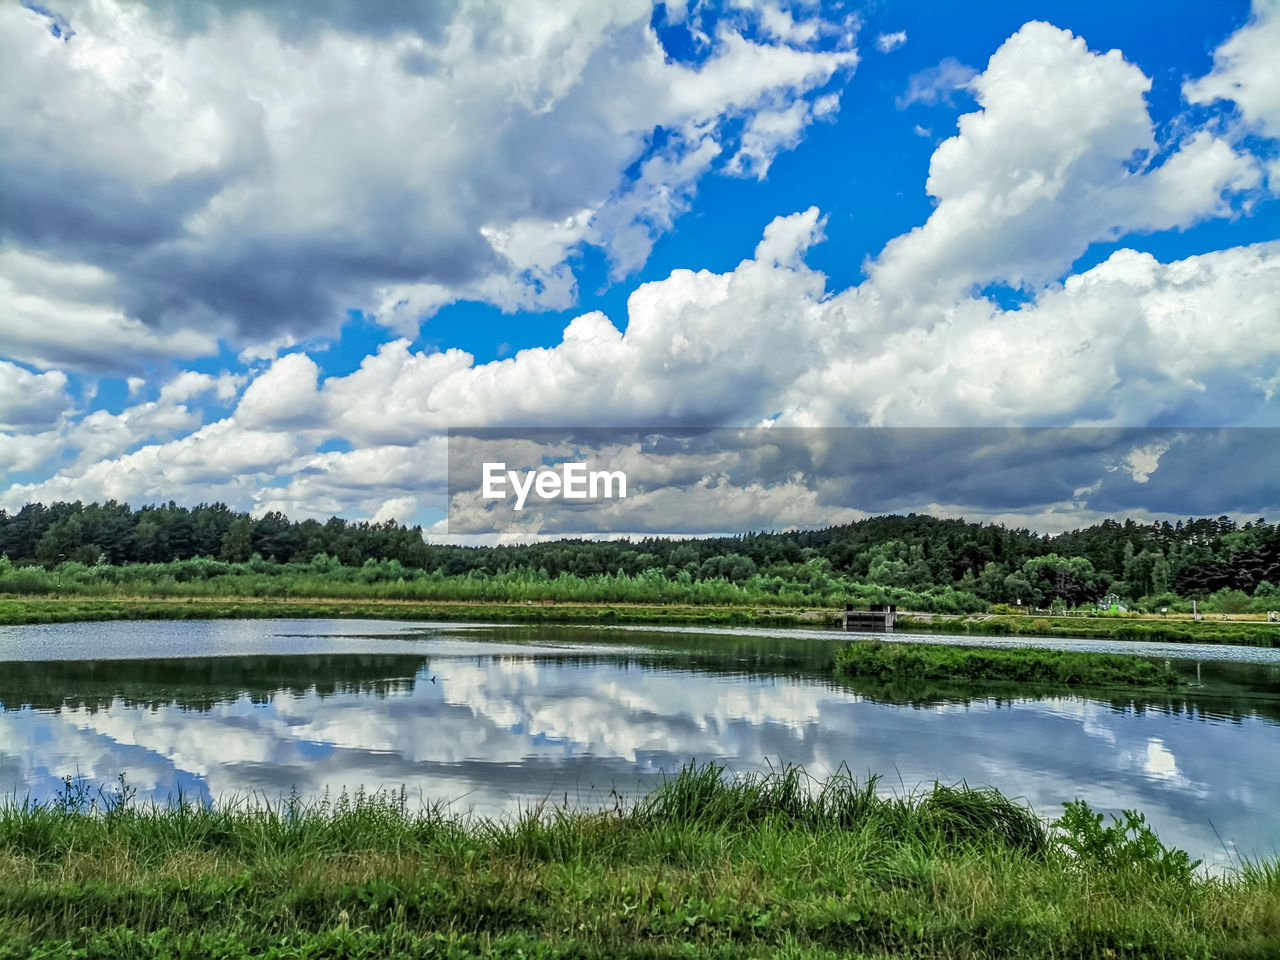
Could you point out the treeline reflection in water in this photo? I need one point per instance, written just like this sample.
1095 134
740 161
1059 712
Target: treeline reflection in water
497 719
1214 690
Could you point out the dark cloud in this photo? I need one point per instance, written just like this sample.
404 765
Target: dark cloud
52 201
991 471
302 21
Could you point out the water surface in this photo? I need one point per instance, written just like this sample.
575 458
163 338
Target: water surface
493 719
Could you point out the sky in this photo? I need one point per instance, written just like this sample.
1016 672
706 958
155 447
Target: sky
270 253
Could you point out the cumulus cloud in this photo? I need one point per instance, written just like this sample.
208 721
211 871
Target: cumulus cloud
33 406
1058 157
31 400
768 339
66 313
38 405
248 172
27 451
283 395
103 434
1061 153
1080 352
1246 70
380 483
223 457
189 384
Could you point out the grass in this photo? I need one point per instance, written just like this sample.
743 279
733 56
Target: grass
1257 634
889 662
771 866
16 610
27 610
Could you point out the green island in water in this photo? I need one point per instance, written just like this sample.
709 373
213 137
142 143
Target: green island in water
874 659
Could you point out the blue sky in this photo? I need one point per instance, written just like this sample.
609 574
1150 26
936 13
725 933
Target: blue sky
269 254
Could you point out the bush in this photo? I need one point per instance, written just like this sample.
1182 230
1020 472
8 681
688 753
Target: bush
1227 600
1127 844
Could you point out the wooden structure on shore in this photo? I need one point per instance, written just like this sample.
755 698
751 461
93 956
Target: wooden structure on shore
879 619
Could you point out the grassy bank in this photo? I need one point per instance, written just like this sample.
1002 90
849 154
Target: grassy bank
63 609
1255 634
888 662
25 610
700 868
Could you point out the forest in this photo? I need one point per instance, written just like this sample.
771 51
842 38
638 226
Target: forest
926 563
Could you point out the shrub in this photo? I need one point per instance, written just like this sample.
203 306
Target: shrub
1227 600
1127 844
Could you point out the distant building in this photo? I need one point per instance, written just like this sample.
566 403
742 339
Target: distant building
1111 604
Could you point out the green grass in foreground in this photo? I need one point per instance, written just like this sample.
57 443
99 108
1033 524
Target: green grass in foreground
877 660
702 867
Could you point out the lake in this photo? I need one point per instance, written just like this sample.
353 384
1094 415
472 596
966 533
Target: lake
495 719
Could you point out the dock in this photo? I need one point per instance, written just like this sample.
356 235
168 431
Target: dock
879 619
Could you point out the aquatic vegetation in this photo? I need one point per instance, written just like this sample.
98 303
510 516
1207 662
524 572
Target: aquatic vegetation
930 661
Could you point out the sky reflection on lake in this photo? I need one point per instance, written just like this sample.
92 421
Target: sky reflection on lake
505 724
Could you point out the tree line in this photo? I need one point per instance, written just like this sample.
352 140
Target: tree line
890 556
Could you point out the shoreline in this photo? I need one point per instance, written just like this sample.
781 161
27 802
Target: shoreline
25 610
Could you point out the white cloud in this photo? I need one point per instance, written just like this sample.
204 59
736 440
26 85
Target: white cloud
1058 156
31 400
219 461
765 134
26 451
283 395
102 434
1121 343
1124 342
1143 460
378 482
98 434
1246 69
188 385
937 84
397 510
66 314
251 174
1045 168
888 42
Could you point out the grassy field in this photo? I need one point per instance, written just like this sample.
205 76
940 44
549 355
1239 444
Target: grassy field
772 866
881 661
